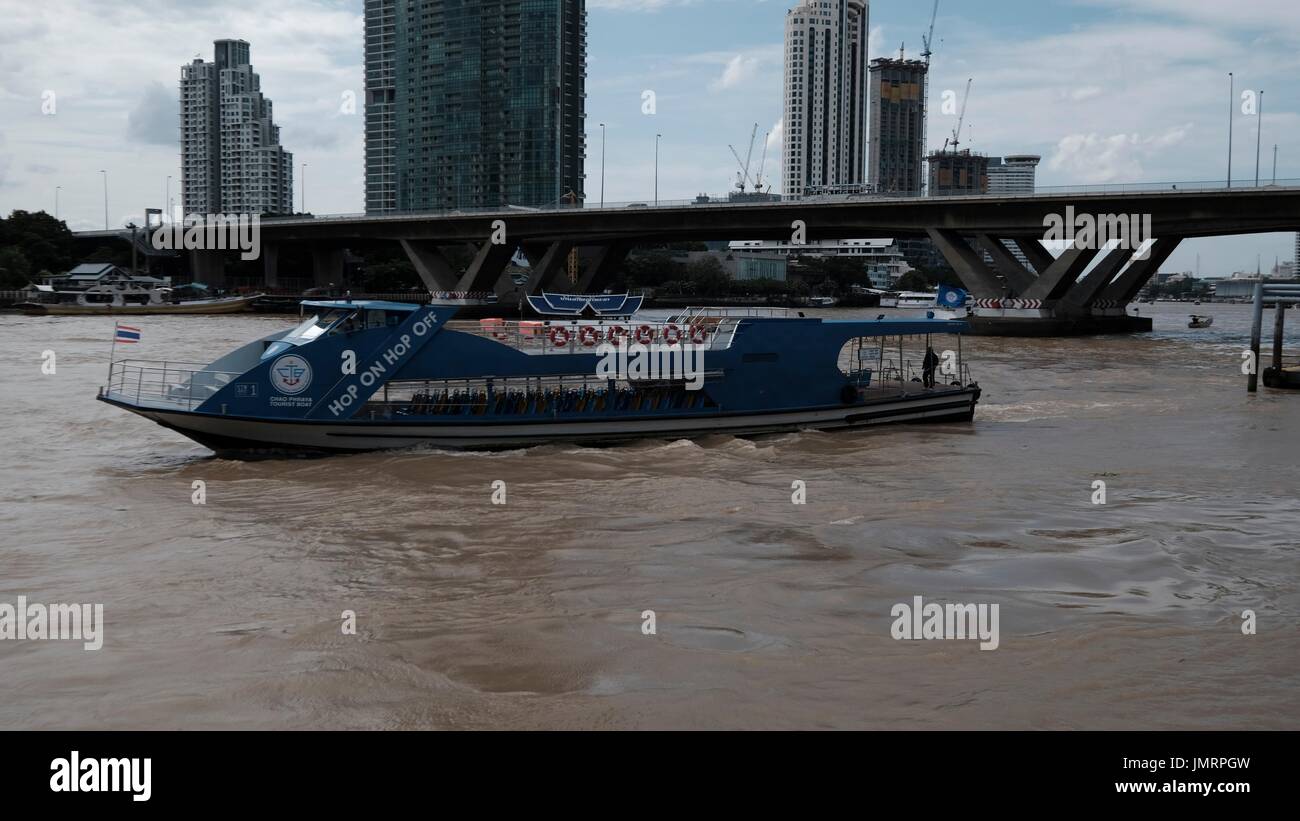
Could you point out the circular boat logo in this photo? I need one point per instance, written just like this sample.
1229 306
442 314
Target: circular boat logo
290 374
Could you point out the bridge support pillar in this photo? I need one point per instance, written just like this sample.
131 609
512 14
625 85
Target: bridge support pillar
208 267
271 265
603 266
1053 282
549 267
1122 291
1017 276
1079 299
970 267
430 263
489 264
326 267
1039 257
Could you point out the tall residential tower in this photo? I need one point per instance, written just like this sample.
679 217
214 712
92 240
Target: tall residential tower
825 121
231 158
473 105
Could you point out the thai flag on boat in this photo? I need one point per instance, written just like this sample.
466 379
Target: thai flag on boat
125 333
951 297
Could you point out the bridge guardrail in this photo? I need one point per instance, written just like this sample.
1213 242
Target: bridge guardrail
1095 189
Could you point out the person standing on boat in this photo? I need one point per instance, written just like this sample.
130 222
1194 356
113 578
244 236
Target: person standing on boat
928 366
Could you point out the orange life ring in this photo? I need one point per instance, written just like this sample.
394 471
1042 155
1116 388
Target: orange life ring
588 336
676 334
495 327
645 334
699 334
616 332
556 333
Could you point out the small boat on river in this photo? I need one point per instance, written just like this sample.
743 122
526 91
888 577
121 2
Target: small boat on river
126 296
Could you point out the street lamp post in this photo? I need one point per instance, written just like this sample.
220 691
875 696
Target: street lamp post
105 173
657 136
1232 107
602 165
303 182
167 196
59 188
1259 129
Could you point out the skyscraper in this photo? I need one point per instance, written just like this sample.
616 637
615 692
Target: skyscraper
897 125
231 158
825 94
472 104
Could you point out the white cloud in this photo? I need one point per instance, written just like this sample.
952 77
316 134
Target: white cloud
738 69
1093 158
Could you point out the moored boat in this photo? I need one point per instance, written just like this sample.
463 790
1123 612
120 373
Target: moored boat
126 297
371 375
1200 321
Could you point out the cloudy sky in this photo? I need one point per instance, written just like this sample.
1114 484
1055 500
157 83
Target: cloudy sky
1105 90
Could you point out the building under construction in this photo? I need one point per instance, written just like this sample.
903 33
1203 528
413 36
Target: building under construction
897 125
955 173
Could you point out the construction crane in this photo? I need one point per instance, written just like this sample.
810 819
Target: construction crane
742 177
928 39
955 139
927 42
762 163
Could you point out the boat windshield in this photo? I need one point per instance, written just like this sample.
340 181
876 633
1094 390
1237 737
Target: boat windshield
318 325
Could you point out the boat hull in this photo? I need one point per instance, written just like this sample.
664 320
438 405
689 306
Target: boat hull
233 434
216 306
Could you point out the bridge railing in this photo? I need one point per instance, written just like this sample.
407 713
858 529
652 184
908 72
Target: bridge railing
1108 188
705 201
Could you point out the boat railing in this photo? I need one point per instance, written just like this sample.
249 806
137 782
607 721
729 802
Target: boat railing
698 313
907 374
167 384
584 336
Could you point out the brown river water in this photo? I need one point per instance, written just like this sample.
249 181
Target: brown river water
768 614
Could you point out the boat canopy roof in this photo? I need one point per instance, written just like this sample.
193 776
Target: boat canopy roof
549 304
364 304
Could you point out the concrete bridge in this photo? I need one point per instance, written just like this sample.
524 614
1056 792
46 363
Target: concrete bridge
1083 290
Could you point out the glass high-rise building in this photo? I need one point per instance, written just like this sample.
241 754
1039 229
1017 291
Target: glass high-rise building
474 104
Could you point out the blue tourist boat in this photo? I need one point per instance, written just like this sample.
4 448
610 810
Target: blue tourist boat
368 375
